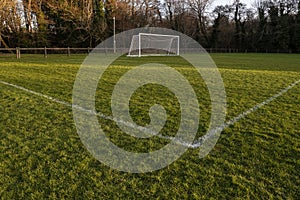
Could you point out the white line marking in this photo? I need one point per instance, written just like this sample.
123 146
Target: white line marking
101 115
197 143
200 140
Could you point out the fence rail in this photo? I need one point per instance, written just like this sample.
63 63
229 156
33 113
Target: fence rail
68 50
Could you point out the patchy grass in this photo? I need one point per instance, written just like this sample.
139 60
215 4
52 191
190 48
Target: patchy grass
258 157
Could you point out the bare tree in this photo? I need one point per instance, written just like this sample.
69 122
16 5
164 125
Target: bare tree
148 13
199 9
174 12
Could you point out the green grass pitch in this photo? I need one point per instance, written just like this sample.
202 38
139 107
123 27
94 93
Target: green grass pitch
43 157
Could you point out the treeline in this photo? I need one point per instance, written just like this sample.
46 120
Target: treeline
273 25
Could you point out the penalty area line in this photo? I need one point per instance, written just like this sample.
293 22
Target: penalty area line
234 120
101 115
197 143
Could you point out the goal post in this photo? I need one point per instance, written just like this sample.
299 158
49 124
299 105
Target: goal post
147 44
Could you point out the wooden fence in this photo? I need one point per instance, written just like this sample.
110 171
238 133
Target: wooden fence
17 51
68 51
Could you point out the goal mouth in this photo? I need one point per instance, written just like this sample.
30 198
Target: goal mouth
151 52
147 44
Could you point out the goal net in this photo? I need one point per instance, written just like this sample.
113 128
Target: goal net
146 44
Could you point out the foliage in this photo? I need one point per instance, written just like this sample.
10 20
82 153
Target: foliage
268 25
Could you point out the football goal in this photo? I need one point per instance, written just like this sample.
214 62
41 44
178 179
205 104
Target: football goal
146 44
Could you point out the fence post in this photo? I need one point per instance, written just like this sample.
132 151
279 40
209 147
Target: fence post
18 52
45 52
69 52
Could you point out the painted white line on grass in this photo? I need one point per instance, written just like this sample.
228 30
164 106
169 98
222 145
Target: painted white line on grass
36 93
195 144
201 140
101 115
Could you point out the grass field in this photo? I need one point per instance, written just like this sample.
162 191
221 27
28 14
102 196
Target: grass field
257 157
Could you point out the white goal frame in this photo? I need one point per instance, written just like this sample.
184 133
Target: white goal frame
140 48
